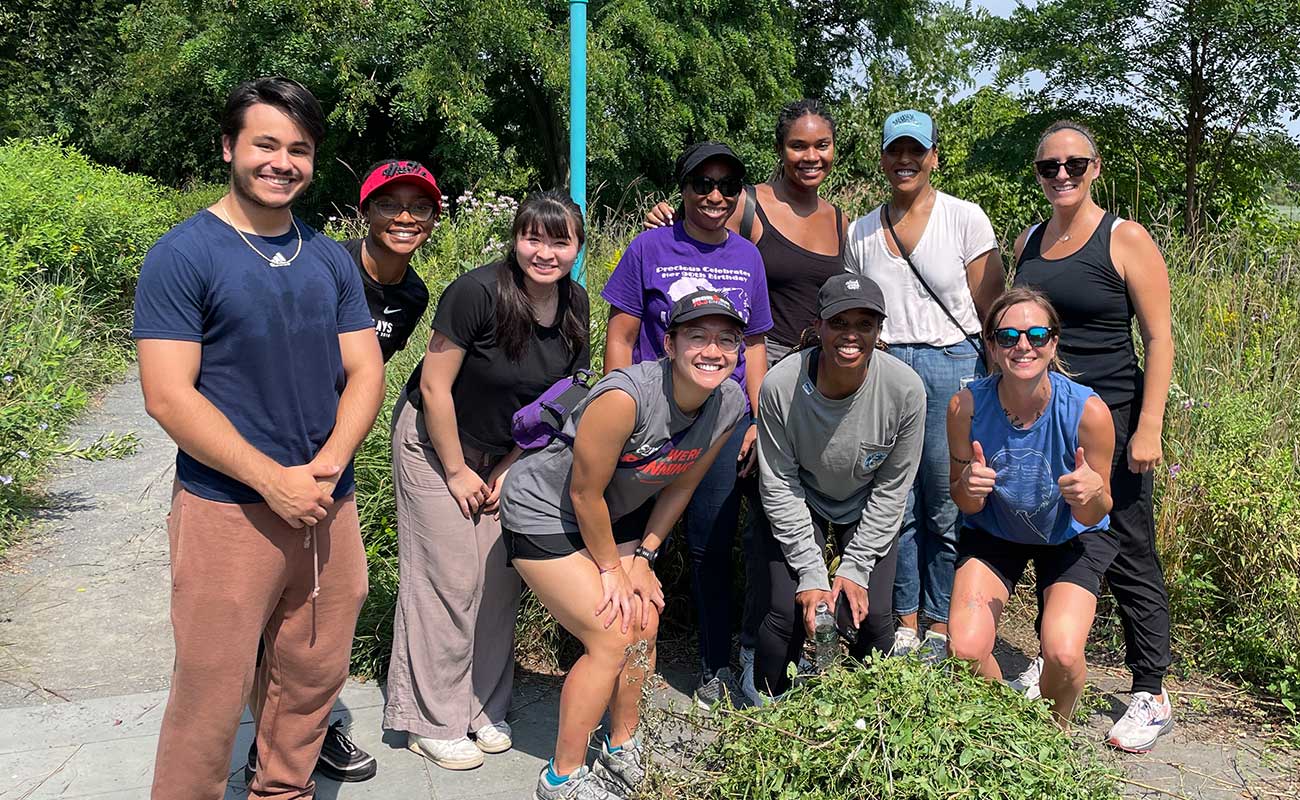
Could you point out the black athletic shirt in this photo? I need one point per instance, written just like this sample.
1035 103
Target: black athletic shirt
396 308
1096 312
794 275
490 387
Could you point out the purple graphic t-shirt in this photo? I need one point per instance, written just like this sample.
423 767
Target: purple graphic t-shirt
664 264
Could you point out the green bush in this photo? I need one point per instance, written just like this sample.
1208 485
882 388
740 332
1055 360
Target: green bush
72 236
888 728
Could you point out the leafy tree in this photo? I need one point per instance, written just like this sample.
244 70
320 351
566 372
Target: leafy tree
1213 76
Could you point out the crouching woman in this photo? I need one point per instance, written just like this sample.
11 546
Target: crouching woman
840 431
1031 453
650 430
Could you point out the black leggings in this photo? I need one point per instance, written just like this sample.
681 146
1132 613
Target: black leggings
781 634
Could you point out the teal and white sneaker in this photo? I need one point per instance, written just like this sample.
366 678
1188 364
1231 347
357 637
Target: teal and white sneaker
621 770
580 785
1148 718
1027 682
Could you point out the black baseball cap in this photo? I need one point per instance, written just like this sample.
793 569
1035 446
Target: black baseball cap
704 303
845 291
697 154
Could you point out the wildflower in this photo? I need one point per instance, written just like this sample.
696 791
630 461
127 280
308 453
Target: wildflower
5 480
333 218
23 454
1189 403
43 426
57 406
860 724
9 379
1174 469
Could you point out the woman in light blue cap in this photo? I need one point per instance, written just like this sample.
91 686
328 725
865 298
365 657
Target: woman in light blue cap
936 259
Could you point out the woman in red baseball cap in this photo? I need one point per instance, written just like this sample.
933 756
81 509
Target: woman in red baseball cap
401 200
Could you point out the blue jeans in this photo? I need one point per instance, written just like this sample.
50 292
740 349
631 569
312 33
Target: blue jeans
927 542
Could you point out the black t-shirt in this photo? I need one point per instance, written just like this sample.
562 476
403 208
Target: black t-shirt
490 387
396 308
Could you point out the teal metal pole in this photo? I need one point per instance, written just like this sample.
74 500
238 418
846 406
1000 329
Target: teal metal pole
578 118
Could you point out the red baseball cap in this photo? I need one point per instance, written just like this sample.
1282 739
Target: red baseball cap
400 172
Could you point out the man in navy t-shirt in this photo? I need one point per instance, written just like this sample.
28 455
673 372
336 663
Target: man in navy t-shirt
258 357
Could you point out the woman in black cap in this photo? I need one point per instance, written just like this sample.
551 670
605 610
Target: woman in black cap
840 432
659 267
645 436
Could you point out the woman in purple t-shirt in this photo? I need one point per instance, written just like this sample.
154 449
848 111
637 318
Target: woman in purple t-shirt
659 267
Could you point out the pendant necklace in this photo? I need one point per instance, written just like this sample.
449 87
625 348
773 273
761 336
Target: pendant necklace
278 260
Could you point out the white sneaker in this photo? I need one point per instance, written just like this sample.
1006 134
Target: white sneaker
1148 717
1027 682
447 753
493 738
905 642
934 649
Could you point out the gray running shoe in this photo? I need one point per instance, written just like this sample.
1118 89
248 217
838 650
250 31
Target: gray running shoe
905 642
581 785
934 649
717 687
621 772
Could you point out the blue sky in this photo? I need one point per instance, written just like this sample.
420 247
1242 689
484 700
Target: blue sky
1004 8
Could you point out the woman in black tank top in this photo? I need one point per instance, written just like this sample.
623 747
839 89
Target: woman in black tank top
1100 272
805 147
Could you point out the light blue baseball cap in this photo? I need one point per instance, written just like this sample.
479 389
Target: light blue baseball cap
910 123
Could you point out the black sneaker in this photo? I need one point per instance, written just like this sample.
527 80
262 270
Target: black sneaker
340 759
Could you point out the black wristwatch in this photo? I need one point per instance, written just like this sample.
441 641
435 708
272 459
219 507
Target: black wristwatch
648 555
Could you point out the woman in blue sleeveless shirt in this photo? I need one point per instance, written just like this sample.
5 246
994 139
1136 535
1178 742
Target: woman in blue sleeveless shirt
1030 454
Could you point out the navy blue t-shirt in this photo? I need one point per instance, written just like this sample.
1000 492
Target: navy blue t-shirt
270 359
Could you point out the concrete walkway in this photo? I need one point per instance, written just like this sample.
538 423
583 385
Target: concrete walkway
86 648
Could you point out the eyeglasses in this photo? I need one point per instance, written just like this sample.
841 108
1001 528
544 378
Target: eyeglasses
703 185
698 339
389 208
1038 335
1074 167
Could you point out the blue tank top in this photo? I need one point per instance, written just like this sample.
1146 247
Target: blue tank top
1026 504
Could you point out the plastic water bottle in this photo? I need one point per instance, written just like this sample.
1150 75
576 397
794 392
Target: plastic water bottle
824 637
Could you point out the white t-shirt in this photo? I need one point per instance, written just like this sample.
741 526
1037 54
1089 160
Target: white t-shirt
956 233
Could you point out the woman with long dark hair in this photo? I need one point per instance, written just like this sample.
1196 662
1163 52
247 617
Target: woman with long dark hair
1101 272
936 258
1030 452
502 334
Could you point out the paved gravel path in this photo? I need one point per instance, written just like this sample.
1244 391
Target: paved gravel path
86 649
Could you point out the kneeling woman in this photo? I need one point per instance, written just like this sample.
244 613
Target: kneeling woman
840 430
1031 452
650 430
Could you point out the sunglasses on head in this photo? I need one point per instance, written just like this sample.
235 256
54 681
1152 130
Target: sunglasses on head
1074 167
1038 336
702 185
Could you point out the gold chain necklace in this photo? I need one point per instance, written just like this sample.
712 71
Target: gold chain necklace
277 260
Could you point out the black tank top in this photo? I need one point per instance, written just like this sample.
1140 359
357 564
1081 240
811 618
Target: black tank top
793 277
1096 312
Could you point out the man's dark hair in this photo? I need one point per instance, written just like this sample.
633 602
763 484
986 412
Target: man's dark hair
285 94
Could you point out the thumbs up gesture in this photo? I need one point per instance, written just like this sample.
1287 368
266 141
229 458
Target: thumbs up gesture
1081 486
977 477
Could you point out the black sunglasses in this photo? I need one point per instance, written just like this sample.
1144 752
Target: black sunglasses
702 185
1074 167
1038 335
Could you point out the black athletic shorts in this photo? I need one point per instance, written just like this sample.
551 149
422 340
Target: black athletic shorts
541 547
1081 560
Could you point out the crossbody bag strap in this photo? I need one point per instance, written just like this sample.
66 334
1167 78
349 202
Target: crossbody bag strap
889 223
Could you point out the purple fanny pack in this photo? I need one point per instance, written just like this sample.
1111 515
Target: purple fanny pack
542 421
